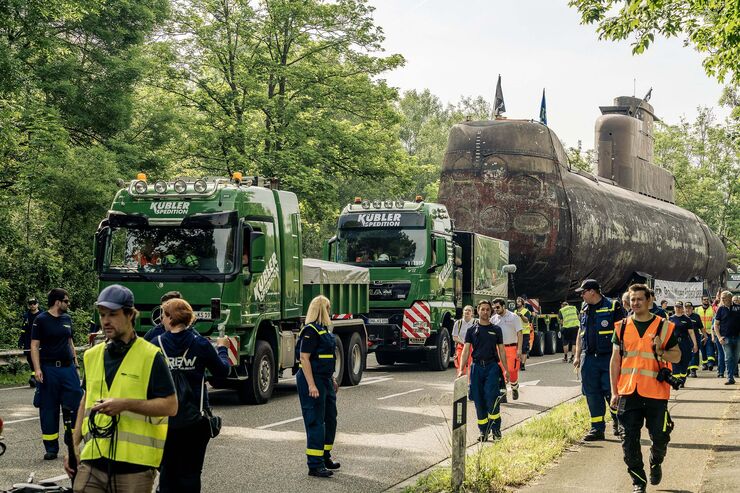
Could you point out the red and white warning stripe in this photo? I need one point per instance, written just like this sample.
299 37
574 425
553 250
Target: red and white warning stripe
416 321
342 316
232 350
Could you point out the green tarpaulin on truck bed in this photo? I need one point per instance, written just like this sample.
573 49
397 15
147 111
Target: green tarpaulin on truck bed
323 272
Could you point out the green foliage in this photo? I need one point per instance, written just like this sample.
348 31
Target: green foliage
712 27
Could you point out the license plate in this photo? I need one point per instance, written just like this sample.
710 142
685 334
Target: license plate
377 321
203 315
416 340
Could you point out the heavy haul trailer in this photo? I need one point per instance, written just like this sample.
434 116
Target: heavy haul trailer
422 273
233 249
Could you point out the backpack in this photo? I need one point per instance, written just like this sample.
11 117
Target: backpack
188 409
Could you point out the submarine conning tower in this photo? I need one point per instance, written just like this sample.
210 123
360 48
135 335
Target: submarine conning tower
624 148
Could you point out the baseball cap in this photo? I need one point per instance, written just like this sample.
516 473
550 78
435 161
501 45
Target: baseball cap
678 303
115 297
32 301
589 284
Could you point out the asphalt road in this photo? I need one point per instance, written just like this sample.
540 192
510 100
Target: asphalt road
393 425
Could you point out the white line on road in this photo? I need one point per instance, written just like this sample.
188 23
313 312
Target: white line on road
543 362
529 383
15 388
369 382
21 420
271 425
401 393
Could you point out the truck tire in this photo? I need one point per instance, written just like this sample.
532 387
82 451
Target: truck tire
384 358
559 342
439 359
339 361
257 389
538 344
354 361
550 341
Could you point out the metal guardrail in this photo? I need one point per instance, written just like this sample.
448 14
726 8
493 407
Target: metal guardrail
5 356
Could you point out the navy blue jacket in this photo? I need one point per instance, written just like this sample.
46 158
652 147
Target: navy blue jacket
201 356
597 325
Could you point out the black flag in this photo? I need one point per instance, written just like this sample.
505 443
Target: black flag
498 104
543 109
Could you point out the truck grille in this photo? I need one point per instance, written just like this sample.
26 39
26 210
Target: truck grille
389 290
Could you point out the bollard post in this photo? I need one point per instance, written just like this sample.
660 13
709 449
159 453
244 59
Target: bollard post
459 433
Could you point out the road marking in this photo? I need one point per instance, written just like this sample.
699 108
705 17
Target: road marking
529 384
401 393
16 388
264 427
369 382
21 420
543 362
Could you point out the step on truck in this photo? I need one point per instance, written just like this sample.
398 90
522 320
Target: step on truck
232 247
422 273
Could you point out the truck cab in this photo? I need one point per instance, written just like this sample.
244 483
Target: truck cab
232 248
408 248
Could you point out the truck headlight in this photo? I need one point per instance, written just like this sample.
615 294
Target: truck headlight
180 186
140 186
200 186
160 186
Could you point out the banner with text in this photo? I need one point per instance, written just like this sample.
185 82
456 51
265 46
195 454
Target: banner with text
673 291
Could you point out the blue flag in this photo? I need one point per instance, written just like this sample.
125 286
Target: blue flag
543 109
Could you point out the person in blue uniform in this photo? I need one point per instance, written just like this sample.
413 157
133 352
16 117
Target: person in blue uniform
317 388
487 341
684 333
24 340
655 309
55 365
593 353
698 335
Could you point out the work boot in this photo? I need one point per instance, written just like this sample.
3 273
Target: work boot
616 429
570 360
639 488
483 437
50 456
720 375
704 366
593 436
522 368
496 434
515 392
503 398
693 374
711 367
330 464
320 472
565 358
731 381
656 474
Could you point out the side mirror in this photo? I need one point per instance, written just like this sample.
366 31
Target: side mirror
440 251
257 252
327 250
101 238
458 256
215 308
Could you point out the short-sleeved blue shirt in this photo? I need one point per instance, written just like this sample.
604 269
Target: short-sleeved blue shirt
53 334
729 320
484 339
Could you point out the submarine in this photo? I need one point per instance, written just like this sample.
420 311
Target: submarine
511 179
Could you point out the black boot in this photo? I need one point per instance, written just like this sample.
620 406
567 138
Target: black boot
320 472
593 436
330 464
656 473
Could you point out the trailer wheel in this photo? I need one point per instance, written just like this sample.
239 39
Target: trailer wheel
339 361
385 358
550 341
257 389
538 344
439 359
354 361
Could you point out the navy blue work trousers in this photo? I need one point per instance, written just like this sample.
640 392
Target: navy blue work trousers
319 418
596 387
484 390
61 388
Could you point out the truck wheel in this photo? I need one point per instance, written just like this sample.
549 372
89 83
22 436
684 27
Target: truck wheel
550 338
538 344
354 361
559 341
339 360
384 358
439 359
257 389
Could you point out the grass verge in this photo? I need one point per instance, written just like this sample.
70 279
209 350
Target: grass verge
519 456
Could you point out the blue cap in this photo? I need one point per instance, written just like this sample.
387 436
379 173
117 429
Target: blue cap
115 297
589 284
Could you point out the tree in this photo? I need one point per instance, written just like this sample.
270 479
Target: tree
712 27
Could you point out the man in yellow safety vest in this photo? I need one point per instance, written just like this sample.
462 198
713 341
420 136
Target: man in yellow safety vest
527 332
706 313
129 393
569 323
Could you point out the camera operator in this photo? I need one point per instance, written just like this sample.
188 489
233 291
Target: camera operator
641 384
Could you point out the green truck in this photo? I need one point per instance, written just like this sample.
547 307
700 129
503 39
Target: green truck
232 247
422 273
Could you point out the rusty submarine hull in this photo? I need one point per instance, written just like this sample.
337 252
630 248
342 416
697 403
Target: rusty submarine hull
511 179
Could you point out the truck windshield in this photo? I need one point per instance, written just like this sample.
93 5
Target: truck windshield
169 250
393 247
